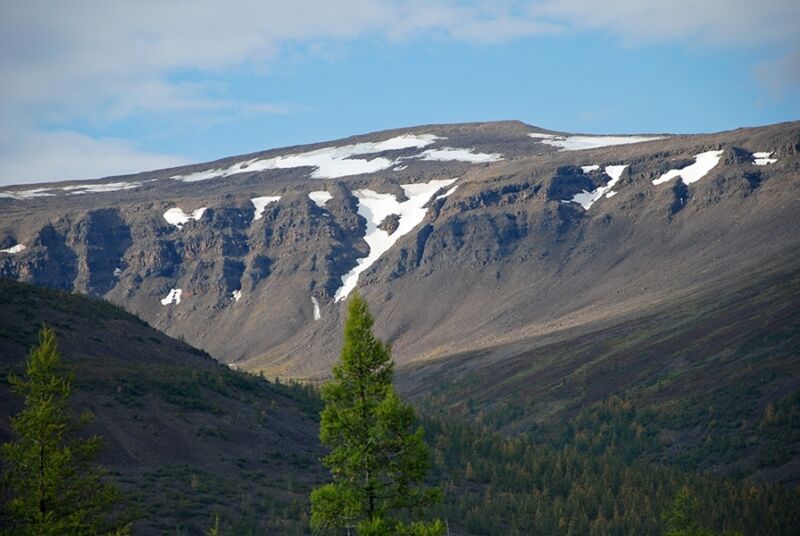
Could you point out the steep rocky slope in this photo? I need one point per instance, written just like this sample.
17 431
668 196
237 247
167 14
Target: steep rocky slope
490 234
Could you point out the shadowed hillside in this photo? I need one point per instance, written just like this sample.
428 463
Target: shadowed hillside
711 378
185 437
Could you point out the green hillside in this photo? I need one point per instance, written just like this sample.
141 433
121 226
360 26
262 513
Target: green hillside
187 439
711 382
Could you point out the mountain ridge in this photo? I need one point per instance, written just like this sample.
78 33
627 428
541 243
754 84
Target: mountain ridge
264 273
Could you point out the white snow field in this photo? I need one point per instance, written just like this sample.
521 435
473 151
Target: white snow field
320 198
578 143
450 154
589 169
764 158
49 191
587 199
375 207
100 188
27 194
703 163
315 303
261 204
179 218
13 249
174 296
236 295
329 162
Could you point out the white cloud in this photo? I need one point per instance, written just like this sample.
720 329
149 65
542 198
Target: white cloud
36 156
781 75
720 22
113 58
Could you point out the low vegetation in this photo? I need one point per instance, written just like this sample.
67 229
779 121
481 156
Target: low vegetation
195 448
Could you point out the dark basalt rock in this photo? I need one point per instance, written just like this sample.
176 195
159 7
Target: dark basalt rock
107 239
737 155
568 181
681 192
390 223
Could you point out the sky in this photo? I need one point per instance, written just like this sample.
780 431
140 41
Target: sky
97 88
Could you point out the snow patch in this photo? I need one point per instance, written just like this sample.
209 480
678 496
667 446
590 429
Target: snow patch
13 249
236 295
117 271
315 303
100 188
179 218
578 143
174 296
50 191
587 199
399 168
589 169
329 162
375 207
447 193
261 204
28 194
763 158
447 154
615 172
320 198
703 163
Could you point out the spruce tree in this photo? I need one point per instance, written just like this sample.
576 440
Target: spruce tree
54 488
378 457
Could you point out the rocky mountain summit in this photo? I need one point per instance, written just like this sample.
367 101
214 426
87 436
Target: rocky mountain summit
460 236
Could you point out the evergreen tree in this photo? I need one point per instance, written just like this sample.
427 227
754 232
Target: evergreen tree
54 488
377 458
680 518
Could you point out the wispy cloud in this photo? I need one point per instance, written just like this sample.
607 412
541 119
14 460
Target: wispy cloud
716 22
782 74
30 156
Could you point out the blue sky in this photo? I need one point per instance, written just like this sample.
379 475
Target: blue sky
100 88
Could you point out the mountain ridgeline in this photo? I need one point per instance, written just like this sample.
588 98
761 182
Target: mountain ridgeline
524 278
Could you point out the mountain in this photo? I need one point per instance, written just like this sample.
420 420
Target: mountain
522 276
474 242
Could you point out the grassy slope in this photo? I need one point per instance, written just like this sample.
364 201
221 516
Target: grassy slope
185 436
700 375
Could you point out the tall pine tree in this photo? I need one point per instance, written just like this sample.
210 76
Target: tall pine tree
54 487
378 457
